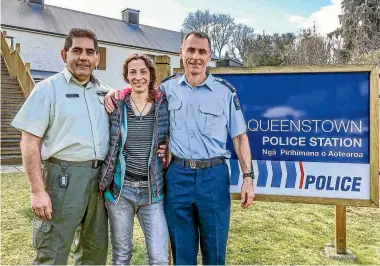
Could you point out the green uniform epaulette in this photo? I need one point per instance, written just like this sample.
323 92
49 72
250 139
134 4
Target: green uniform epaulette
170 77
225 82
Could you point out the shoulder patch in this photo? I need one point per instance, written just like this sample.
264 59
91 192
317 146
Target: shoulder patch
225 82
170 77
236 103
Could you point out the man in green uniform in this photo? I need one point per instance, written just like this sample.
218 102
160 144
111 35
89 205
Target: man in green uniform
65 126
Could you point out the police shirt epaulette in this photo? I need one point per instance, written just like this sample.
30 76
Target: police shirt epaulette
225 82
170 77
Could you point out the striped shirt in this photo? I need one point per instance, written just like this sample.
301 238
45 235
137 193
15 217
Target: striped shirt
137 147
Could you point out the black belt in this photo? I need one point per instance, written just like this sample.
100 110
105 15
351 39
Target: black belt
93 163
198 163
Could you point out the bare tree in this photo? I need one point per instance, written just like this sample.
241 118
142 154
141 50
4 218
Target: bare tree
311 48
198 20
221 32
268 50
219 27
238 47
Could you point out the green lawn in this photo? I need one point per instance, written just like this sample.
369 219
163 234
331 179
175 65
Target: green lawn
266 233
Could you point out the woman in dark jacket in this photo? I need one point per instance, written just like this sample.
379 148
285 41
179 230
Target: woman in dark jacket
132 176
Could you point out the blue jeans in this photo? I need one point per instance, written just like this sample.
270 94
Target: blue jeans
152 221
197 205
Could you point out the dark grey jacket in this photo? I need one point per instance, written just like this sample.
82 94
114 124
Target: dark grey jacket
113 170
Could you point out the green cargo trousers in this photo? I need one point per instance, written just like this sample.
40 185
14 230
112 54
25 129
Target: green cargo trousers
76 206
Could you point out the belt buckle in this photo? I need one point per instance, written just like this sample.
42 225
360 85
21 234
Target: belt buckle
193 165
95 164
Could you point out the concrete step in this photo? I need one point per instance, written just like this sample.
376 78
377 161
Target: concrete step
10 143
11 94
12 101
6 122
10 108
5 79
10 151
10 86
10 159
12 97
10 133
10 136
6 126
8 115
9 130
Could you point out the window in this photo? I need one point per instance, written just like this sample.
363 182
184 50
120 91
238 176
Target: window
103 58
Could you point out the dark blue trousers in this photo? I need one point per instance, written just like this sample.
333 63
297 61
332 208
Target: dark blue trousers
197 207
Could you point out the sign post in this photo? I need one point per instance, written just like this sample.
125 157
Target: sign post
340 229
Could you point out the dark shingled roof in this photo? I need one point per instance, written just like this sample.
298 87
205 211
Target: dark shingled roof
51 19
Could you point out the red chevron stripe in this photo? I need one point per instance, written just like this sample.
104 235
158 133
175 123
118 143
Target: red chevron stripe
302 175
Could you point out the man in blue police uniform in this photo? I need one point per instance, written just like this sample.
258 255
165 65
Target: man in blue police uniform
203 110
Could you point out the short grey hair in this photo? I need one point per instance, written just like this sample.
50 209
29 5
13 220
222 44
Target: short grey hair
198 34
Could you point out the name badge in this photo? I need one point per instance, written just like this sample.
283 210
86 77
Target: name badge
73 95
102 93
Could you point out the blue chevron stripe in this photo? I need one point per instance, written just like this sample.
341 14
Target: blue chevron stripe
263 174
235 172
292 175
277 174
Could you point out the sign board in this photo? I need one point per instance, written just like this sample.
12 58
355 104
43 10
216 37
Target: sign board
313 133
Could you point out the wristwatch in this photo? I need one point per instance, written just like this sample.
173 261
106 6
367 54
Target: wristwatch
249 174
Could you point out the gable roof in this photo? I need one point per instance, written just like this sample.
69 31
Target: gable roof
57 20
230 59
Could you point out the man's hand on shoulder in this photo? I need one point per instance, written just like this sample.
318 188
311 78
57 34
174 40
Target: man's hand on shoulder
109 99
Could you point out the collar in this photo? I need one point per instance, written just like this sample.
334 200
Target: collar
128 91
68 76
208 81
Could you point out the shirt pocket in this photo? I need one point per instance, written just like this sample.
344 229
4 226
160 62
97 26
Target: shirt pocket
176 118
212 118
101 99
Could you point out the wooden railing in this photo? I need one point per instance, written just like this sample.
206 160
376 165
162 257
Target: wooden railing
16 66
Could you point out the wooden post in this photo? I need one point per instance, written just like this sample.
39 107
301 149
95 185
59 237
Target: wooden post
27 67
11 63
340 229
170 254
163 67
18 47
17 62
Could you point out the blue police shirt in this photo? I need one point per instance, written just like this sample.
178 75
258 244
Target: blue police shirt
201 117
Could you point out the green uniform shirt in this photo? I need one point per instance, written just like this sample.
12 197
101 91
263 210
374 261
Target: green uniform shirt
70 118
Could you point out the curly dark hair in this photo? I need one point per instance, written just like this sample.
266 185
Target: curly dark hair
152 70
80 33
